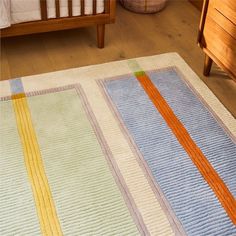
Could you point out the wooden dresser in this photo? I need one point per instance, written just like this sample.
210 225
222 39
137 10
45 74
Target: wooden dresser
217 35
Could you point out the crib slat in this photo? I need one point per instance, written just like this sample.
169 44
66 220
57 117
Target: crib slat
94 7
106 6
43 8
112 9
57 4
82 7
70 7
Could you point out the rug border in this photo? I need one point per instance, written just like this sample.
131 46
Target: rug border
111 163
120 182
172 218
116 68
197 86
154 185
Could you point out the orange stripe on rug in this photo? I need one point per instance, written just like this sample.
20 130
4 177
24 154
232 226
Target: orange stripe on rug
220 189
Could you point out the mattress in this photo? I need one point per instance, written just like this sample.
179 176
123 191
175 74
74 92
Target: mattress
19 11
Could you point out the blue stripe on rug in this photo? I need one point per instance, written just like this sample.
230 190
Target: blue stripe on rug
192 200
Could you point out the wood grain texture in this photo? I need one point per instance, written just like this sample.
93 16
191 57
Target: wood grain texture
106 6
225 23
94 7
220 44
61 23
133 35
100 35
217 34
82 7
43 7
57 4
112 8
228 9
56 24
207 65
70 8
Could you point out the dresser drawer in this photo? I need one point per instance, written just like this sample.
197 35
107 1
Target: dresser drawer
223 15
220 44
227 8
224 3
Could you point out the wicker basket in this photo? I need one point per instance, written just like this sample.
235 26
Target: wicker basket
144 6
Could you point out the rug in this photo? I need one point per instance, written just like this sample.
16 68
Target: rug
134 147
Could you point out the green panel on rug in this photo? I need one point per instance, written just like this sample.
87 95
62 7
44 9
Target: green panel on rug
17 208
86 197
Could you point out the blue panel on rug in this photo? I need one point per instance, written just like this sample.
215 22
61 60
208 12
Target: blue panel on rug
16 86
190 197
201 125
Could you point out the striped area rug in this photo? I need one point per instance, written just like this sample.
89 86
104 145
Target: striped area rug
135 147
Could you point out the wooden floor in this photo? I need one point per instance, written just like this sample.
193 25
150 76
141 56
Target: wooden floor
133 35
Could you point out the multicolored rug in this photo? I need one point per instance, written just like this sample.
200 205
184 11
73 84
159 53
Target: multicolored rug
135 147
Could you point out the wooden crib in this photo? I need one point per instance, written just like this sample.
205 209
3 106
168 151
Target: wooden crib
63 23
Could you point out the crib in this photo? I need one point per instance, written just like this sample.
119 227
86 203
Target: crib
46 24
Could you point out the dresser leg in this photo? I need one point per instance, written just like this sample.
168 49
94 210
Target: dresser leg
207 65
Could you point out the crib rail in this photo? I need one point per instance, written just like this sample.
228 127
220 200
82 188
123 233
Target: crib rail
47 24
44 14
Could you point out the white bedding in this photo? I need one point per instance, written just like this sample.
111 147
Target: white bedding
5 19
18 11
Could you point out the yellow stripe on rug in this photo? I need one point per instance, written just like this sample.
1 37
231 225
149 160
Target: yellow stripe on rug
49 221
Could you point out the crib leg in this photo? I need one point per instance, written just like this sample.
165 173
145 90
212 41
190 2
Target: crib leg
100 35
